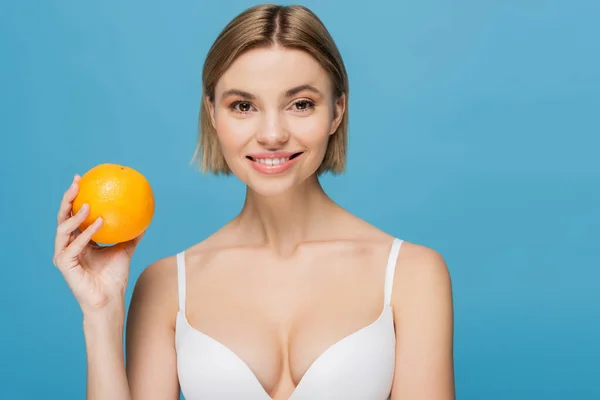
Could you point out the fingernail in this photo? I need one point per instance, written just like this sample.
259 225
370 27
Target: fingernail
84 207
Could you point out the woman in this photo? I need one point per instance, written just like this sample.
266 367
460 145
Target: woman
294 297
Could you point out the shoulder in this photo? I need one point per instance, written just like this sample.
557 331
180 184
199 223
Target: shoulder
162 273
153 274
155 291
418 262
156 287
421 277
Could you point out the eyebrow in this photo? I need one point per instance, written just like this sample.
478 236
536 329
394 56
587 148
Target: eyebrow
295 90
288 93
241 93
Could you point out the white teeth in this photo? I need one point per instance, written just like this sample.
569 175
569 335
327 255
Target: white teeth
271 161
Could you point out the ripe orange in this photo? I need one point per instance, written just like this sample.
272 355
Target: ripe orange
121 196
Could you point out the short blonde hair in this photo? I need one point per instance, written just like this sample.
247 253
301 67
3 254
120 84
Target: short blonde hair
266 25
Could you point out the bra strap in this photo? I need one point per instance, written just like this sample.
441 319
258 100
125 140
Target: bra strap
181 280
390 269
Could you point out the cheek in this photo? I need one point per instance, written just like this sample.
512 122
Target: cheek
233 133
312 131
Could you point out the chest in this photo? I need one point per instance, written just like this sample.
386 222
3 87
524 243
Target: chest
279 322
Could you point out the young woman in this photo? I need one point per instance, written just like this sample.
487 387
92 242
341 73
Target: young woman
294 298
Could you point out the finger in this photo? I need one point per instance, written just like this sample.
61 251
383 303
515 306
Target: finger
64 211
64 232
76 233
78 245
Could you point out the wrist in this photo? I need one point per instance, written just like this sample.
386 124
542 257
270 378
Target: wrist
111 315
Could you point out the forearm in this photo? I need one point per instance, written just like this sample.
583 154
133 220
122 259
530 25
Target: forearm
106 374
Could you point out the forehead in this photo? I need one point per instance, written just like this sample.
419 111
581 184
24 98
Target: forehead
267 71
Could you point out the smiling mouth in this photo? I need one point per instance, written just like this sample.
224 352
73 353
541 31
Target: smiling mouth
274 161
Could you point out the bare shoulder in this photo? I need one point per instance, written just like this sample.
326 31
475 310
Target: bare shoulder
155 293
156 286
418 267
159 279
153 274
421 264
155 290
421 277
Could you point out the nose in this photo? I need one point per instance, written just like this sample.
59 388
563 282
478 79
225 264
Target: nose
272 131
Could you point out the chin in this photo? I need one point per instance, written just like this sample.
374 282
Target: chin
271 180
271 188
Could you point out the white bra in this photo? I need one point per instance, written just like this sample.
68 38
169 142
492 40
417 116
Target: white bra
359 366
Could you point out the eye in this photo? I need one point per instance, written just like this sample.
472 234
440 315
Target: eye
241 106
303 105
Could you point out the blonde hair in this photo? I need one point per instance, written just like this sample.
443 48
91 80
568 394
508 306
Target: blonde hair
268 25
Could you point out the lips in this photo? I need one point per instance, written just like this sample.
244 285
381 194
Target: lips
273 158
274 162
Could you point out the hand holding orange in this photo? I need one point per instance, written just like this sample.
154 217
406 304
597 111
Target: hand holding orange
121 196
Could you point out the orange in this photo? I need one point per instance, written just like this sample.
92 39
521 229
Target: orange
121 196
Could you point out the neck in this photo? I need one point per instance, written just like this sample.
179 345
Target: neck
288 219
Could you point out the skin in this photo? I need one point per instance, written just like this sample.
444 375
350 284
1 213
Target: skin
313 263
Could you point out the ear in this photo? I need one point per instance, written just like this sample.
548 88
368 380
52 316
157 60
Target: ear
210 107
339 108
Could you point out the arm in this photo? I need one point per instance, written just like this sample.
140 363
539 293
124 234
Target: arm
151 372
103 332
423 311
151 357
98 277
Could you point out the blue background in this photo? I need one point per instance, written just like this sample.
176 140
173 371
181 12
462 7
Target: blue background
474 130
